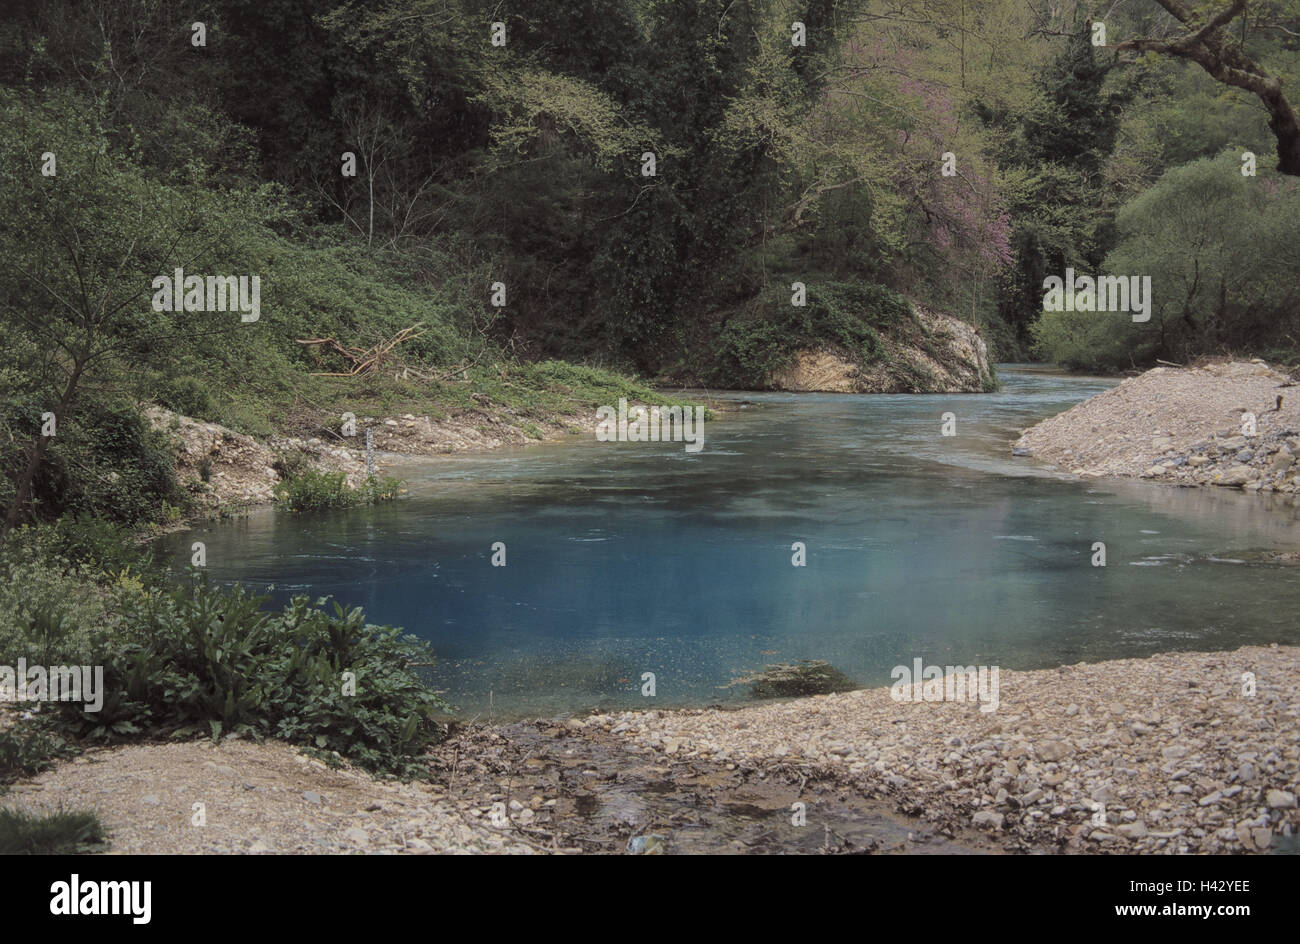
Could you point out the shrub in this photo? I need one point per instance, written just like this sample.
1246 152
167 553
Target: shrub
27 748
106 462
55 595
202 660
314 490
183 395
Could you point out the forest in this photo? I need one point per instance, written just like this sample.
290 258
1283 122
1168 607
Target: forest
411 207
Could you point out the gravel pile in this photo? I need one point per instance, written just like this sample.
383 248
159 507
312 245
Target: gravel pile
1182 426
1158 755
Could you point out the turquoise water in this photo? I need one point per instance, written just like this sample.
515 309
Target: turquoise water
626 558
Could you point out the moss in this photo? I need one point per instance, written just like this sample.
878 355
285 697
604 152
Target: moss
806 677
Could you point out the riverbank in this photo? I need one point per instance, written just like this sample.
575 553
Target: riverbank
226 472
1158 755
1227 425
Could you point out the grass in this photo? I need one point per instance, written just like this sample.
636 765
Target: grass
58 833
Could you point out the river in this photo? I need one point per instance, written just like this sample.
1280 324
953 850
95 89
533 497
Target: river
629 558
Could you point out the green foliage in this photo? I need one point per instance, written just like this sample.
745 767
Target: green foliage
316 490
107 462
60 833
202 661
58 587
183 395
1222 252
29 747
845 316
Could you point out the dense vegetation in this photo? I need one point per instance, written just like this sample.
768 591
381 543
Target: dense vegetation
614 188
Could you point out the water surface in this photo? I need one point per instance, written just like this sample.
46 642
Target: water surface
627 558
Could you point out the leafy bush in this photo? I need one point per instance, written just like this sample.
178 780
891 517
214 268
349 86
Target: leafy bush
55 593
107 462
27 748
183 395
1222 254
202 660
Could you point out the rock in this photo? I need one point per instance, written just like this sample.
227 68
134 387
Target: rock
1263 838
152 800
1134 830
311 796
357 836
419 845
987 819
259 846
1236 476
1050 751
1280 800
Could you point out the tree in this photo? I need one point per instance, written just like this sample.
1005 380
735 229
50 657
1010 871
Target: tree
82 246
1209 43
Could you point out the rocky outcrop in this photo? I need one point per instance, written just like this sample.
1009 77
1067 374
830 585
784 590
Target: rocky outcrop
224 469
935 354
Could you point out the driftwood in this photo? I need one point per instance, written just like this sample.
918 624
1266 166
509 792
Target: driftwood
363 360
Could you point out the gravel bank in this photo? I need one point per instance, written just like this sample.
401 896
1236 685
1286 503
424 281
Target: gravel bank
1158 755
1184 427
257 798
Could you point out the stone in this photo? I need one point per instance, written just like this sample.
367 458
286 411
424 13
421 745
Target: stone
1236 476
357 836
1134 830
311 796
1051 751
1280 800
987 819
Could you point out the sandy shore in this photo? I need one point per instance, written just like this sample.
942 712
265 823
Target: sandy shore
1162 755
